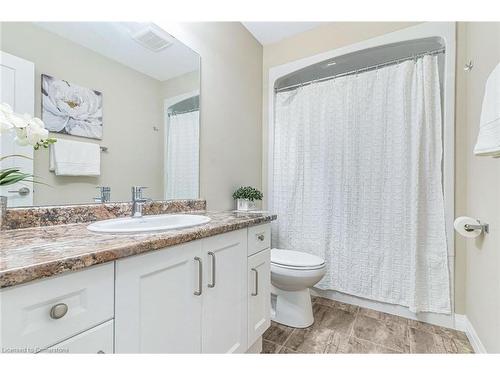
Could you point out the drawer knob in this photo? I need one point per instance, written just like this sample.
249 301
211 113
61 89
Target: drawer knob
261 237
58 311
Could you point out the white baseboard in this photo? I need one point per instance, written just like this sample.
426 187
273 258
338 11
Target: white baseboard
256 347
454 321
474 339
461 323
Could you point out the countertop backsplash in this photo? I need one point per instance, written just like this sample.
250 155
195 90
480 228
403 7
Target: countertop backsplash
26 217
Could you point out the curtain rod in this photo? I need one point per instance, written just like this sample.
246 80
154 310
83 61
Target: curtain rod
182 112
362 70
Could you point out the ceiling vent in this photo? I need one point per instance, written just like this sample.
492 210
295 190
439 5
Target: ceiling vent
153 39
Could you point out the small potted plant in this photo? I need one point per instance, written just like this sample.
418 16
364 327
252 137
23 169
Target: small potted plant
245 198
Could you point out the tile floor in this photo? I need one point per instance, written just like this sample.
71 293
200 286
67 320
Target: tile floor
343 328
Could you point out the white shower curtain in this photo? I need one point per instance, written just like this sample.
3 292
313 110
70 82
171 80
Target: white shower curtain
358 181
183 156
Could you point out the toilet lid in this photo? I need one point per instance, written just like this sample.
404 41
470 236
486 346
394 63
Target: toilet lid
292 258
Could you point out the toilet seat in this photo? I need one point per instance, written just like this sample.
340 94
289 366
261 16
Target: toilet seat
297 268
295 260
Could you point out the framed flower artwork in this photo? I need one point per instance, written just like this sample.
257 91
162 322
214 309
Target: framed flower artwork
71 109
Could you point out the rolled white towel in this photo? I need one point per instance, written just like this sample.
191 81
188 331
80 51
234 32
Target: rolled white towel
488 140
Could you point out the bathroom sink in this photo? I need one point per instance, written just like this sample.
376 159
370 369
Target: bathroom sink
150 223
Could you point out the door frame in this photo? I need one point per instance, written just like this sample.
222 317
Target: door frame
24 102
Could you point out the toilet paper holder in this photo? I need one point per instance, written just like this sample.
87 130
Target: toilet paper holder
481 226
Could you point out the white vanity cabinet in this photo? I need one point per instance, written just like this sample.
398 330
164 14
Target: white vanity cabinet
190 298
204 296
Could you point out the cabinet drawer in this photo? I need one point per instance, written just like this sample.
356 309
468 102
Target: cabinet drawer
259 238
97 340
33 316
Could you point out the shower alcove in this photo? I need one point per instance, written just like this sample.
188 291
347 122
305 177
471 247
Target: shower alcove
435 37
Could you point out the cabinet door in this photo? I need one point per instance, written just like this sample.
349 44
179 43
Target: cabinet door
224 322
157 310
259 294
97 340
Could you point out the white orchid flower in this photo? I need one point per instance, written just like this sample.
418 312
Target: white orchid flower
4 107
31 134
9 119
38 122
35 132
29 130
5 122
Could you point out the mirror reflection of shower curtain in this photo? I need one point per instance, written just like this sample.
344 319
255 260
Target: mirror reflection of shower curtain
183 156
358 181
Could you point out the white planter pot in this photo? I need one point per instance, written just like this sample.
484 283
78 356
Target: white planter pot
245 205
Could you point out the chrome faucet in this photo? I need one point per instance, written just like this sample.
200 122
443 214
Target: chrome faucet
105 194
138 200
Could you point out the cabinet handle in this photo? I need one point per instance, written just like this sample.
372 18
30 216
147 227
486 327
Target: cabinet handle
256 293
101 352
22 191
200 276
261 237
212 284
58 311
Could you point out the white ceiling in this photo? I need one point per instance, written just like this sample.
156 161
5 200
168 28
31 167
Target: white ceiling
114 41
272 32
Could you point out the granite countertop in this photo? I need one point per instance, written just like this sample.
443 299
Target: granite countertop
38 252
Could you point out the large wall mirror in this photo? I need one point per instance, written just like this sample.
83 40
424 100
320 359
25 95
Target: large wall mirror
122 99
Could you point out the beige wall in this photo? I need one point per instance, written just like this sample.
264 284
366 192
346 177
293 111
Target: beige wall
460 171
131 107
183 84
481 43
231 107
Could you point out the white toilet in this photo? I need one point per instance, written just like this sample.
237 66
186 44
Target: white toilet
292 274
